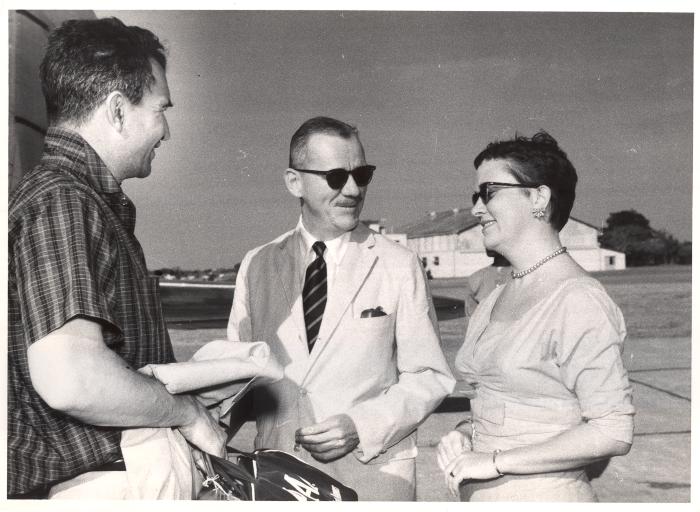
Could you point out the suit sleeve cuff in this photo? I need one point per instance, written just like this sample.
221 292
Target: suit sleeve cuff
369 433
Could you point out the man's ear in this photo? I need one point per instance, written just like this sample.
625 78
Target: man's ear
294 183
116 110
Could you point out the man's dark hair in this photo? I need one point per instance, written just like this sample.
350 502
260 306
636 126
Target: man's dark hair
88 59
326 125
538 160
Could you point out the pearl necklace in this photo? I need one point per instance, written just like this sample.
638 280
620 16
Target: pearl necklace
518 275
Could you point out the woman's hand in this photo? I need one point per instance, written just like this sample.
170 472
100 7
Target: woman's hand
451 446
469 466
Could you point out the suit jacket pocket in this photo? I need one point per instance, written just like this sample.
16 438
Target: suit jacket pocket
371 328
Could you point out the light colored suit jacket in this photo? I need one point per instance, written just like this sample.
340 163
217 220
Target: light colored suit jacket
388 373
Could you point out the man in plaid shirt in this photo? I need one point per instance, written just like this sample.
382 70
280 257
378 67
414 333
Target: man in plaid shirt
84 314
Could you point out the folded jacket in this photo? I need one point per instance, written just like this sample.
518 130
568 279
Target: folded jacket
218 370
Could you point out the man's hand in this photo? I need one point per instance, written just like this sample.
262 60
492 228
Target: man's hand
202 430
330 439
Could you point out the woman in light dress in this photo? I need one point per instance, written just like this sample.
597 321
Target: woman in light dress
543 351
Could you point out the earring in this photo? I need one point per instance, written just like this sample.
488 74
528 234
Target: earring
538 213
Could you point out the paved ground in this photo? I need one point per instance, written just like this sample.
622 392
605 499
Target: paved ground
657 469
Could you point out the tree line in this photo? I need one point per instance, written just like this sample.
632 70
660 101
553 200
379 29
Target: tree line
628 231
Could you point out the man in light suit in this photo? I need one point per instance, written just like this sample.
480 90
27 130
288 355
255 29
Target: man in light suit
351 321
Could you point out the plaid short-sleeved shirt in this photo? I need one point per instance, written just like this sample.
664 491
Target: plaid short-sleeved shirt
72 253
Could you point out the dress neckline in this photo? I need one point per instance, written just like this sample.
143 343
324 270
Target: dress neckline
535 306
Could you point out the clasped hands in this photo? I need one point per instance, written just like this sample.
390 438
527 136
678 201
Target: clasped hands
457 460
329 439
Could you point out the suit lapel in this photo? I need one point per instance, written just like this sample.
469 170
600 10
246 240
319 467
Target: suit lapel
352 273
287 262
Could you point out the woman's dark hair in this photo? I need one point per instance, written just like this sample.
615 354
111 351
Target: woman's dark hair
541 161
86 60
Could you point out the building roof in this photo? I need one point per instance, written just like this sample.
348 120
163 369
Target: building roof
448 222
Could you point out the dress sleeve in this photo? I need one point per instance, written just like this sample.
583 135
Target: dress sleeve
589 355
62 264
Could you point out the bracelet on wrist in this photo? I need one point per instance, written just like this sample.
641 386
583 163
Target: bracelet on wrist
495 466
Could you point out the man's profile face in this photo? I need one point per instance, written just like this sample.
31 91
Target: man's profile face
146 126
329 213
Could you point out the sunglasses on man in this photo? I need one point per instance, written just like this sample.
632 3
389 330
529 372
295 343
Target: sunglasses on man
337 178
489 188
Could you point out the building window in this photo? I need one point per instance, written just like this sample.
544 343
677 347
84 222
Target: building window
611 260
424 260
436 260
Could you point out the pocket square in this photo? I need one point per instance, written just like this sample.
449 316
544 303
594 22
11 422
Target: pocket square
372 312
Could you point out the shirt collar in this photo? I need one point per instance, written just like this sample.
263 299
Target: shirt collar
83 159
335 248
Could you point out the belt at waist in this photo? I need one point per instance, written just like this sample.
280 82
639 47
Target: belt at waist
491 407
117 465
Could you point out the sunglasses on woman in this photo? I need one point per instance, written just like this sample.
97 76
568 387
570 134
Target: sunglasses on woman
489 188
337 178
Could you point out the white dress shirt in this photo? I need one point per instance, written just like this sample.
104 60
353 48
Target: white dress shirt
335 250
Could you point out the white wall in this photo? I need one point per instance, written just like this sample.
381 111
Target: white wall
439 263
399 238
469 254
619 260
433 243
454 263
469 262
577 234
589 259
463 263
471 240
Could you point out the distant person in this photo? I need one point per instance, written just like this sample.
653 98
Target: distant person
83 312
485 280
543 351
348 312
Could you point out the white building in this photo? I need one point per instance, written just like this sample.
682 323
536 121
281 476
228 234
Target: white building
451 244
378 226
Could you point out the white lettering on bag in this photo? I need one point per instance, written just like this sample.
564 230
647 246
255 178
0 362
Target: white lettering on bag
303 489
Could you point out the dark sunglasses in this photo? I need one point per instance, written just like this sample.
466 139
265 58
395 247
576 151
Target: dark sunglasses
489 188
337 178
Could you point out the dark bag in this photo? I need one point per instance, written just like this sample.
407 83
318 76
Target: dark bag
269 475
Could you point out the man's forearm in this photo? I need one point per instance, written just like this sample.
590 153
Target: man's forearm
76 373
81 377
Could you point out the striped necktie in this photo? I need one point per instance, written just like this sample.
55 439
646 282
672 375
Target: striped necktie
314 294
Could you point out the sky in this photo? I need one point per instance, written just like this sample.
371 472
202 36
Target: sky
427 91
